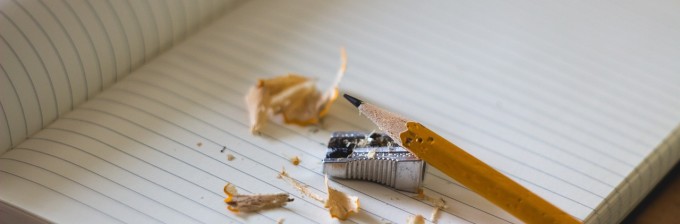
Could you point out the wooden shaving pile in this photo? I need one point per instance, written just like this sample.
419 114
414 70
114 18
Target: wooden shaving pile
293 96
252 203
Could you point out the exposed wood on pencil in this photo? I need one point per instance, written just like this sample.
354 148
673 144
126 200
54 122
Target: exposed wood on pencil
391 123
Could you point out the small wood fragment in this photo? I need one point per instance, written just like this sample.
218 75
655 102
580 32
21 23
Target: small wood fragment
230 157
295 160
252 203
371 153
299 186
438 204
339 204
418 219
230 189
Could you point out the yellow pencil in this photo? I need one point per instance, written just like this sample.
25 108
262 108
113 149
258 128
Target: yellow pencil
463 167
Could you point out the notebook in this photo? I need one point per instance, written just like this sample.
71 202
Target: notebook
125 111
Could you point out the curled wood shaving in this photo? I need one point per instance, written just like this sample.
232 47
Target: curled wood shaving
293 96
230 189
339 204
252 203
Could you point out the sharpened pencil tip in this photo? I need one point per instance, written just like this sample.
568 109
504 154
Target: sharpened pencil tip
356 102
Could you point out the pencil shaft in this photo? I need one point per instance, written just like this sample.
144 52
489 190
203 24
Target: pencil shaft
465 168
480 177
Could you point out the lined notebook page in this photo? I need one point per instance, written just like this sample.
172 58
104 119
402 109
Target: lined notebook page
58 54
582 112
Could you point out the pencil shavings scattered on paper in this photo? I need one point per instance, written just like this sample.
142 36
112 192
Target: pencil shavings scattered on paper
295 97
438 204
339 204
418 219
253 203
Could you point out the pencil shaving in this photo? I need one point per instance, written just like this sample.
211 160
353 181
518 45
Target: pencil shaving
295 160
418 219
438 204
339 204
230 189
299 186
371 154
293 96
253 203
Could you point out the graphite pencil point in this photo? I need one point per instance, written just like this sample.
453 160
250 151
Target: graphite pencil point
356 102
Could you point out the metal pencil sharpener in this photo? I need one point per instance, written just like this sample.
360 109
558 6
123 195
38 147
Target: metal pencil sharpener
373 157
